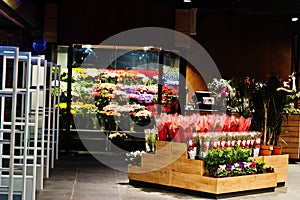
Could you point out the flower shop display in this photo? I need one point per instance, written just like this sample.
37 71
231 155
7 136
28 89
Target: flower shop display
237 171
85 115
233 161
178 127
205 142
264 102
124 97
205 132
169 99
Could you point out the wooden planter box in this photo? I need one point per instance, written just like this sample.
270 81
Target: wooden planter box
290 126
170 166
280 163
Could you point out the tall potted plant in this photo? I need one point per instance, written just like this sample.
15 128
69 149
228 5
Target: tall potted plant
269 102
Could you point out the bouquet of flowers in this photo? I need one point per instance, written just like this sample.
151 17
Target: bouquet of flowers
220 90
142 117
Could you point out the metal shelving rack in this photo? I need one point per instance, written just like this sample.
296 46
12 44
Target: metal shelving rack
52 114
55 113
16 128
27 142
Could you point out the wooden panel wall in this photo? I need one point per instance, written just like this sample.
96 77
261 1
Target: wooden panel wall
246 48
289 139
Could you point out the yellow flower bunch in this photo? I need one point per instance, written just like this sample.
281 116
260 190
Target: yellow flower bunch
81 72
107 86
266 166
63 106
82 108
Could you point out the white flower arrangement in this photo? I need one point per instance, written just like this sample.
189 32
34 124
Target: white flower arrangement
134 155
143 113
92 72
117 135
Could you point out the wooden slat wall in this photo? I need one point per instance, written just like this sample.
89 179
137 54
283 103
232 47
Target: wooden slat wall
290 136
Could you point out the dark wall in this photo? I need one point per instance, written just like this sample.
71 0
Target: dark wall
91 21
253 48
247 48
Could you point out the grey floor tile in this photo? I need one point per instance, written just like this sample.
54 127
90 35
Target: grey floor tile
85 178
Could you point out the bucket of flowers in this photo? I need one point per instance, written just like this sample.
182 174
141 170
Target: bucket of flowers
117 138
142 120
134 157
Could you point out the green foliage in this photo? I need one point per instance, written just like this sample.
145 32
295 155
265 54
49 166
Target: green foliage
269 102
220 89
240 96
229 155
230 160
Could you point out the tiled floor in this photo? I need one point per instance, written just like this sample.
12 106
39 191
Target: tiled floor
82 177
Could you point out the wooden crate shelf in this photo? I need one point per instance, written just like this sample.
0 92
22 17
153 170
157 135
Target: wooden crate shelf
290 126
170 166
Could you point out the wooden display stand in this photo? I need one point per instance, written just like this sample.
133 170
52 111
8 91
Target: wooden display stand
280 163
170 166
290 126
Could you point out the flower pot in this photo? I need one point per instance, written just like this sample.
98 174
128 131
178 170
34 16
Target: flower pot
265 150
277 150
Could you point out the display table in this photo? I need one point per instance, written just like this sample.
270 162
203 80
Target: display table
170 166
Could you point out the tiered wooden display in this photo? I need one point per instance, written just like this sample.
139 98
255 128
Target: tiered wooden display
289 140
170 166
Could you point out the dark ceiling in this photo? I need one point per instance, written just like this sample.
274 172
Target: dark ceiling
4 22
30 12
268 10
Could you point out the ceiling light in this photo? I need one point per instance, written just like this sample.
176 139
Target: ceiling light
187 1
294 19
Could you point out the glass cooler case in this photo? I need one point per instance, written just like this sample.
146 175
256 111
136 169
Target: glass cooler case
122 88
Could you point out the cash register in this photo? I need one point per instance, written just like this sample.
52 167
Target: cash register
203 100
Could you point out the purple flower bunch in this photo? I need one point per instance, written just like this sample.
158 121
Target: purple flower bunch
129 89
152 91
145 98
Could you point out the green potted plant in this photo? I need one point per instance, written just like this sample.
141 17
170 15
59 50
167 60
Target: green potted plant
219 162
269 101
